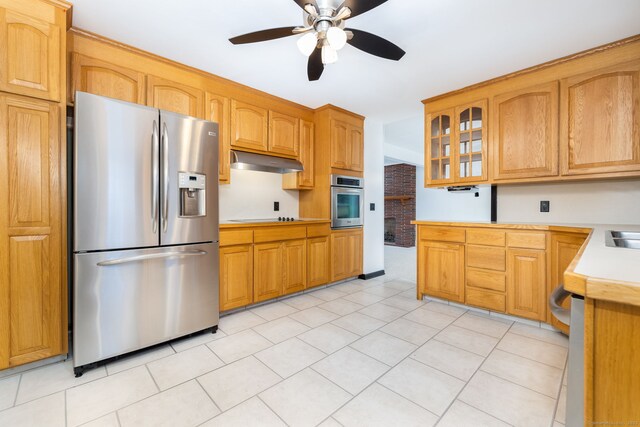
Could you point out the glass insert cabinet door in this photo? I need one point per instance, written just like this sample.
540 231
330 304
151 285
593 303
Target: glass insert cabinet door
471 142
439 134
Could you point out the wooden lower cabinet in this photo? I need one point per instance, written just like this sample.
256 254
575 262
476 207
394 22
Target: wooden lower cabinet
441 272
267 271
564 248
526 283
318 261
346 254
294 266
32 289
236 276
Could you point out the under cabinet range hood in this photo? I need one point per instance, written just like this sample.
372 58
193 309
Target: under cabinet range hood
263 163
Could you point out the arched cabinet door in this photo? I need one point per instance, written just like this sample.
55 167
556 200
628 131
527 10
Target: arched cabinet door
29 56
525 133
470 148
600 118
249 126
105 79
175 97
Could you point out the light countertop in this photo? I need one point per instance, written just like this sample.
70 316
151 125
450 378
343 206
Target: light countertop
260 223
598 271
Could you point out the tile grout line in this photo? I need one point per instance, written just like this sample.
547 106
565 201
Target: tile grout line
15 398
153 378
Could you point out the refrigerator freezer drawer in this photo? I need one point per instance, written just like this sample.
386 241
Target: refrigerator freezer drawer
128 300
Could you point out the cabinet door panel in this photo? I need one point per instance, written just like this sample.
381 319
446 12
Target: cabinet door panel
339 248
284 137
267 271
249 126
318 261
356 158
470 142
236 276
306 177
601 121
441 270
438 151
102 78
354 254
526 283
29 56
525 133
31 291
564 248
294 266
174 97
217 110
339 144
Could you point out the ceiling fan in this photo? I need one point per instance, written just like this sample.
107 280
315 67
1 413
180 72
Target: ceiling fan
324 33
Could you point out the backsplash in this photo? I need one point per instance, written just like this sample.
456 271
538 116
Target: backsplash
251 195
604 202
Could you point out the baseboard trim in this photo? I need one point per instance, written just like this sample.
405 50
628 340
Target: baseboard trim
371 275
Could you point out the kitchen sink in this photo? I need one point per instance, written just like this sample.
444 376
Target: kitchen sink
623 239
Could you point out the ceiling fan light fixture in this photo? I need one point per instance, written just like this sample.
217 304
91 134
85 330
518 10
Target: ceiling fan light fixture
307 43
336 37
329 55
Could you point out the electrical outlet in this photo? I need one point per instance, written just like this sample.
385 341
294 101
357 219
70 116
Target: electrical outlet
372 206
276 206
544 206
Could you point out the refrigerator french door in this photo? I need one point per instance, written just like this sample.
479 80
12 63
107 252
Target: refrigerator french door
145 227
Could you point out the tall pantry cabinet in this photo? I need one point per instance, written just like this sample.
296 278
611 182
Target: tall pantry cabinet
33 291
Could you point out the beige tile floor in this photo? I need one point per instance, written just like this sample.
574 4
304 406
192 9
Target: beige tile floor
360 353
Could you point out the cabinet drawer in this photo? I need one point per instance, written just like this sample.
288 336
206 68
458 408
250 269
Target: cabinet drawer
318 230
480 236
488 257
273 234
442 234
490 300
486 279
527 240
236 237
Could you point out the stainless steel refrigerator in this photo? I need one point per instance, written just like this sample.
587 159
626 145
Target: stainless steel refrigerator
145 227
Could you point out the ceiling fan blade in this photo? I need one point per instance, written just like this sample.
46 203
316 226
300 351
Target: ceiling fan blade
375 45
263 35
315 67
303 3
359 7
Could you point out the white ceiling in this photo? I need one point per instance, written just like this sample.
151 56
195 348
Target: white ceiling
449 43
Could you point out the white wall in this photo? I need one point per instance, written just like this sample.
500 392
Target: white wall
374 193
251 195
606 202
440 205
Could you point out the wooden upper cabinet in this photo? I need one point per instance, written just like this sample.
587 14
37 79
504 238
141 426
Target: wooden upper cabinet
236 276
105 79
284 137
347 146
175 97
471 142
525 133
30 56
303 180
32 293
249 126
217 110
339 144
356 145
600 116
438 153
526 283
442 272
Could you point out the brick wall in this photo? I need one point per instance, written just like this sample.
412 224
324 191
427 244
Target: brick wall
400 180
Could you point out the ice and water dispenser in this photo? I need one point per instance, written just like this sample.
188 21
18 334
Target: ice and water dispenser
192 188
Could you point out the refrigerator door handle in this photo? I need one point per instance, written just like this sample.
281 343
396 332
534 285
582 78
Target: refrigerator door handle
137 258
156 177
165 177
